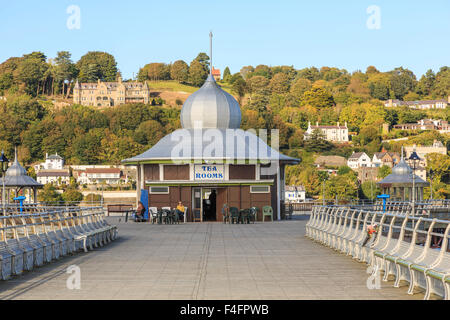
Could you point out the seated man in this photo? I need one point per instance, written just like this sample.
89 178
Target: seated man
139 217
180 210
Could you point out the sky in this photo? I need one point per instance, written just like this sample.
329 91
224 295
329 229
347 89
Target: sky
350 34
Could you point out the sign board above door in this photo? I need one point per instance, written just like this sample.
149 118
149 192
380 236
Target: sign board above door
209 172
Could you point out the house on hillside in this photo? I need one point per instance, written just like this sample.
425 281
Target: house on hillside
107 94
335 133
420 104
295 194
216 74
384 158
99 175
55 176
359 160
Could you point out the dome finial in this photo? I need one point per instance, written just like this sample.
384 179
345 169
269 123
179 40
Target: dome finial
210 52
402 154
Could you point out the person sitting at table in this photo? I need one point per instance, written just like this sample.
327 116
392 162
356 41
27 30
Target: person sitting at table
140 212
180 210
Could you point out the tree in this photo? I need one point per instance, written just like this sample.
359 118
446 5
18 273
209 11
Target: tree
179 71
342 187
316 143
96 65
239 87
226 74
426 83
300 87
442 84
197 73
31 72
49 195
370 190
379 86
318 98
279 83
65 70
157 71
204 60
402 81
258 84
261 70
384 171
72 196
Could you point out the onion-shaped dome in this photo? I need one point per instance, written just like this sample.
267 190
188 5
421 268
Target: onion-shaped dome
402 168
211 107
16 170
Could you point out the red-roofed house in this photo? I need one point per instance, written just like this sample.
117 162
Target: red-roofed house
216 74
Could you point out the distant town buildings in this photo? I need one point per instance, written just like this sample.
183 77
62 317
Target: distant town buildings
422 151
53 170
335 133
425 124
216 74
107 94
420 104
384 158
295 194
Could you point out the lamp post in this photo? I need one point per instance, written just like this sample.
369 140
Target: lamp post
431 183
414 159
4 166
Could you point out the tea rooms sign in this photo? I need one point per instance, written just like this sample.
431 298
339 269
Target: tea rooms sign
209 172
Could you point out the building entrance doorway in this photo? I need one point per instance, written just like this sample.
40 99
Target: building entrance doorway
209 197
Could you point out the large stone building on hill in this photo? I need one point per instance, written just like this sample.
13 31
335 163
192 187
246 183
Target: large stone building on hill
107 94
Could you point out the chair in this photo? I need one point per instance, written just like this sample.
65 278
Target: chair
225 213
166 215
185 214
267 212
234 215
153 214
244 216
253 214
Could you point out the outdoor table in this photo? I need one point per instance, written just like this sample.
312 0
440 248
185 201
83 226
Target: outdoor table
242 216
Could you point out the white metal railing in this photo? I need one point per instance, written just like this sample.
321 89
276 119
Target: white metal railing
412 249
29 240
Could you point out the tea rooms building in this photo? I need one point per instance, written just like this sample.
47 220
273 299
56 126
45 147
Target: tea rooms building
212 155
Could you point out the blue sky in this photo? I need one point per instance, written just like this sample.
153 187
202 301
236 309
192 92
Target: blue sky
413 34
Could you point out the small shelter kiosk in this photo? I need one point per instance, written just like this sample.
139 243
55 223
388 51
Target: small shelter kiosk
16 180
399 184
211 162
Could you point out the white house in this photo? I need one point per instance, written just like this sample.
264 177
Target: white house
98 175
359 160
295 194
335 133
55 176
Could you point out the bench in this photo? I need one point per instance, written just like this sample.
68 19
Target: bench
119 208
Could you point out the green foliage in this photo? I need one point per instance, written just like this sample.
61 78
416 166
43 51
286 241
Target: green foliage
343 186
179 71
49 195
384 171
96 65
72 196
197 73
318 98
369 190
